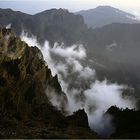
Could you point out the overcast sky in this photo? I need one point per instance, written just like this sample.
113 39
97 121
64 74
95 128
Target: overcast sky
35 6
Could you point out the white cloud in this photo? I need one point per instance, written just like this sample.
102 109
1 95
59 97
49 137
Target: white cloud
99 98
95 99
69 52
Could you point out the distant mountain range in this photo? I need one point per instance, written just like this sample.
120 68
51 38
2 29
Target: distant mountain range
104 15
53 25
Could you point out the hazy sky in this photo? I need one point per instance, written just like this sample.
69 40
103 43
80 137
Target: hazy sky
34 6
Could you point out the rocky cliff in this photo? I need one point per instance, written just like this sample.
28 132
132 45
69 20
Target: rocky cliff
25 110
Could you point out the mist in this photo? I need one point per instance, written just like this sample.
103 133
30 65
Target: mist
79 83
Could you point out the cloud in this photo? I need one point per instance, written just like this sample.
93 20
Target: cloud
99 98
87 73
75 51
137 15
8 26
80 85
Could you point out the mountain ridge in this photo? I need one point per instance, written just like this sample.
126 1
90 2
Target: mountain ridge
103 15
25 110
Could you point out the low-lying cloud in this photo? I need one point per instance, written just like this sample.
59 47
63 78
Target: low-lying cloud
78 81
99 98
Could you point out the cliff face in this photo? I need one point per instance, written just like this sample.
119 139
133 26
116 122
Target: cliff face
24 76
25 110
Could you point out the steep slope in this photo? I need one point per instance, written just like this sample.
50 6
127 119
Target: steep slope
25 111
104 15
116 46
119 41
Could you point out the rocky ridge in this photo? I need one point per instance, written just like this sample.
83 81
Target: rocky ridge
25 110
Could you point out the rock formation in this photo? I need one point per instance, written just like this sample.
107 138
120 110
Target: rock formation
127 123
25 110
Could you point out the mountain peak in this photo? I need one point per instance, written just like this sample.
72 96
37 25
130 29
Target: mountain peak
54 10
105 7
112 9
103 15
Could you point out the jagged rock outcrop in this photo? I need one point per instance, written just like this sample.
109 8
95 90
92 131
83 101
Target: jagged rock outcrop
127 123
25 110
79 118
23 74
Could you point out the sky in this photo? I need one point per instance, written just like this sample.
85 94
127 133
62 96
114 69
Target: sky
35 6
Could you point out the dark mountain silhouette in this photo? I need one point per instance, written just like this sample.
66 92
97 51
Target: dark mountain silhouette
104 15
17 19
127 123
115 53
53 25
